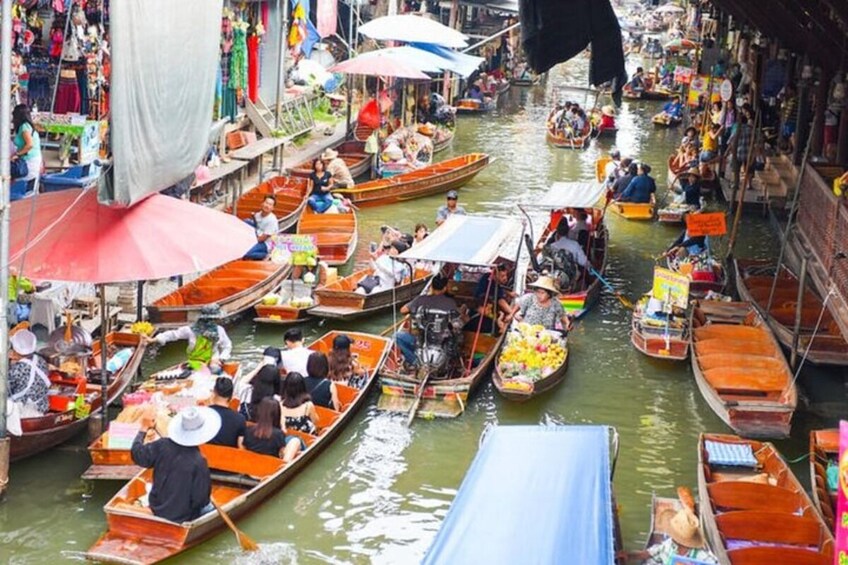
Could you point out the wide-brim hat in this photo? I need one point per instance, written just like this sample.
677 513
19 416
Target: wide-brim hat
194 426
24 342
329 154
546 283
608 110
683 527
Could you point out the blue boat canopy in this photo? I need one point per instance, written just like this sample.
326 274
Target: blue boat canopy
468 240
533 495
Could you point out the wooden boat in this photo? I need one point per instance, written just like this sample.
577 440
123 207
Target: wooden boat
445 142
753 283
597 130
761 514
57 426
339 300
281 314
351 152
660 120
502 87
236 287
432 179
241 480
824 451
474 106
335 234
740 369
673 213
701 284
521 390
290 193
709 180
111 463
642 211
562 141
657 339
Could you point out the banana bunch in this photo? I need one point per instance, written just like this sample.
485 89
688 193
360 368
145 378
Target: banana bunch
531 353
142 328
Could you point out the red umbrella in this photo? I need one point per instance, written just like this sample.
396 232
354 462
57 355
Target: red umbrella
379 63
69 236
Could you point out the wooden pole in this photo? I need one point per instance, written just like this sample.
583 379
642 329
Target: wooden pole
738 212
821 107
793 354
104 373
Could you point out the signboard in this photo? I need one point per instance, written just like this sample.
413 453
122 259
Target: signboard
698 88
299 249
89 143
841 521
726 90
671 287
121 435
713 223
683 75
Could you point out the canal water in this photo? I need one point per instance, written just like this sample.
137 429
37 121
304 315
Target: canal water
380 492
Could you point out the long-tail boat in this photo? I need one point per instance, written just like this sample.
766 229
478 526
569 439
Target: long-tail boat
561 140
241 480
754 281
753 509
559 198
115 463
740 369
62 423
432 179
484 240
236 287
339 300
335 234
824 452
659 337
475 106
289 192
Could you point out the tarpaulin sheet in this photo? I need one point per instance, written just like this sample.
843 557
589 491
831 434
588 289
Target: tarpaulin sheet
164 64
467 240
533 495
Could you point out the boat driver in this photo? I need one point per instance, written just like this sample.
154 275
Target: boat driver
436 300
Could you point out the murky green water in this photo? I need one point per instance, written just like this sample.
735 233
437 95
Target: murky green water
379 493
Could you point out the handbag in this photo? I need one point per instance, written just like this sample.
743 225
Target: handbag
369 283
18 168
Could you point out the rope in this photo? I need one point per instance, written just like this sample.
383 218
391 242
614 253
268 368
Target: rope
830 293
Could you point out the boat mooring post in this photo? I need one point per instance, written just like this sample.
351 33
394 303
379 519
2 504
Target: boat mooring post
802 276
104 371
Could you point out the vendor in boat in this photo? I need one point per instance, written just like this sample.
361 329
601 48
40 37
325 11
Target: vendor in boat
322 183
541 307
208 342
607 118
314 273
641 187
612 167
182 483
266 225
637 82
690 137
687 245
685 540
337 168
20 288
449 208
475 91
690 183
423 113
436 300
673 109
28 373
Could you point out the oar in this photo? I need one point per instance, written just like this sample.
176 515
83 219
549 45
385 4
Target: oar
418 398
245 542
623 299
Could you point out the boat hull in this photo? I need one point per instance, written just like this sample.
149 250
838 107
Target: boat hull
339 301
824 447
639 211
656 346
290 193
520 391
336 234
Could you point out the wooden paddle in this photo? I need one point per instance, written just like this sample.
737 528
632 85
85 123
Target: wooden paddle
245 542
621 298
418 398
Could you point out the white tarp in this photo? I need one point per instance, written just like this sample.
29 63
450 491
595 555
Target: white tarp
570 195
164 64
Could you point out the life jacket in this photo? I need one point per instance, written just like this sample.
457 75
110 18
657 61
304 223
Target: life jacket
201 353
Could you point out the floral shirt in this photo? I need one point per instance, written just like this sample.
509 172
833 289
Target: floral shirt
534 314
663 553
19 377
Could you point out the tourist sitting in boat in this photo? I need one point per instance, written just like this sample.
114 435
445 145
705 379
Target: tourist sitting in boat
685 541
182 483
337 168
637 82
233 424
630 170
691 188
20 288
344 365
565 255
295 355
578 123
612 167
491 291
673 110
686 158
579 230
607 118
690 138
541 308
266 225
420 234
641 187
267 383
436 300
475 91
388 271
297 411
28 374
266 437
208 342
449 208
321 390
322 183
687 245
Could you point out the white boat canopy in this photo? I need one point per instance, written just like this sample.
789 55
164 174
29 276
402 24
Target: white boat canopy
570 195
468 240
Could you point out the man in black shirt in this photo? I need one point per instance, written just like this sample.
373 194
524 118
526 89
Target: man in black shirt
233 425
182 485
436 300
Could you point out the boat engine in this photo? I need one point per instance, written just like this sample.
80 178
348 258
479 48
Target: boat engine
561 265
438 342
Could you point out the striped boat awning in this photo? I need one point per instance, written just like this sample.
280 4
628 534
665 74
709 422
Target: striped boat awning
469 240
571 195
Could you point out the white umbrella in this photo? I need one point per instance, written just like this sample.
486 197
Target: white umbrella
669 9
413 29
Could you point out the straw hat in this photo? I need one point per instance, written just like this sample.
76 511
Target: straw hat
24 342
194 426
683 527
608 110
329 154
692 172
546 283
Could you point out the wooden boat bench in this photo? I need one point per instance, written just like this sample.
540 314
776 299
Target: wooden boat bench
736 495
765 555
738 381
769 527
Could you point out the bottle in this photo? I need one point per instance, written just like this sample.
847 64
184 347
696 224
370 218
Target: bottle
118 360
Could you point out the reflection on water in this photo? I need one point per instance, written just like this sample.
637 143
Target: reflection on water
379 493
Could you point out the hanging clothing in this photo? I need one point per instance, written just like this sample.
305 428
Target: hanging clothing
553 32
238 58
253 68
68 98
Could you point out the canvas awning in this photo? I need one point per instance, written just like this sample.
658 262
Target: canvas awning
533 494
468 240
570 195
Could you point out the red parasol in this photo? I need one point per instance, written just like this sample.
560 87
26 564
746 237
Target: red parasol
69 236
379 63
